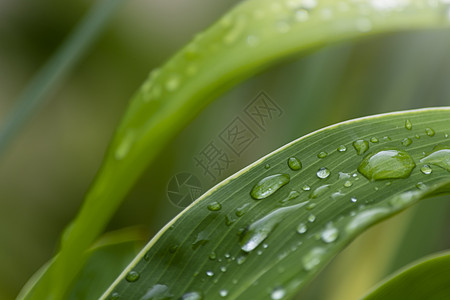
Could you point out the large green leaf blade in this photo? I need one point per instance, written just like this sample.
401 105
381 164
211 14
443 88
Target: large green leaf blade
251 37
427 279
258 249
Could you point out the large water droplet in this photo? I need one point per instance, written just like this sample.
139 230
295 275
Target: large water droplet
192 296
278 293
313 258
426 170
330 234
269 185
319 191
259 230
323 173
294 163
361 146
132 276
439 157
157 292
387 164
214 206
430 132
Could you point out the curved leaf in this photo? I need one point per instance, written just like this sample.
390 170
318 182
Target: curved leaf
427 279
251 37
267 230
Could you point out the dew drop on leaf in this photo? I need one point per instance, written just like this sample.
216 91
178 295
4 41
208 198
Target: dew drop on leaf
294 163
240 211
430 132
323 173
214 206
278 293
387 164
342 148
408 124
223 293
132 276
172 83
348 183
374 140
209 273
426 170
269 185
306 187
361 146
192 296
322 154
115 296
158 291
330 234
406 142
313 258
311 218
439 157
301 228
319 191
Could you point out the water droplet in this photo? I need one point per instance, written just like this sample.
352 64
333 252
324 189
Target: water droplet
115 296
252 40
387 164
342 148
313 258
374 140
214 206
306 187
294 163
439 157
426 170
417 136
192 296
310 206
173 249
158 291
406 142
238 26
343 175
302 228
132 276
353 199
337 195
202 239
330 234
430 132
408 124
269 185
292 195
223 269
241 259
267 166
421 186
278 293
348 183
229 220
223 293
172 83
323 173
212 256
210 273
311 218
125 145
322 154
361 146
364 218
259 230
319 191
240 211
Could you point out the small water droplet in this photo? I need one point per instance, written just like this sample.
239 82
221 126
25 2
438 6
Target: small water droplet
202 239
229 220
223 293
322 154
430 132
278 293
319 191
421 186
311 218
172 83
223 269
192 296
238 26
269 185
240 211
115 296
132 276
439 157
306 187
417 136
361 146
125 145
241 259
294 163
267 166
259 230
348 183
408 124
210 273
330 234
353 199
158 291
212 256
313 258
374 140
406 142
323 173
215 206
342 148
426 170
387 164
310 206
302 228
337 195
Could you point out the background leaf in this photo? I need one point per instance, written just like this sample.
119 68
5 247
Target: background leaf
231 243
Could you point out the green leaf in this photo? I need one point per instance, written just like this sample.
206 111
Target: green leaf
110 255
251 37
277 226
427 279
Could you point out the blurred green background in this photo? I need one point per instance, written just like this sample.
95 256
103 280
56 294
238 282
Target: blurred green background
48 167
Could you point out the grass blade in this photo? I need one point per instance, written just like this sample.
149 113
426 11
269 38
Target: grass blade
233 241
426 279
